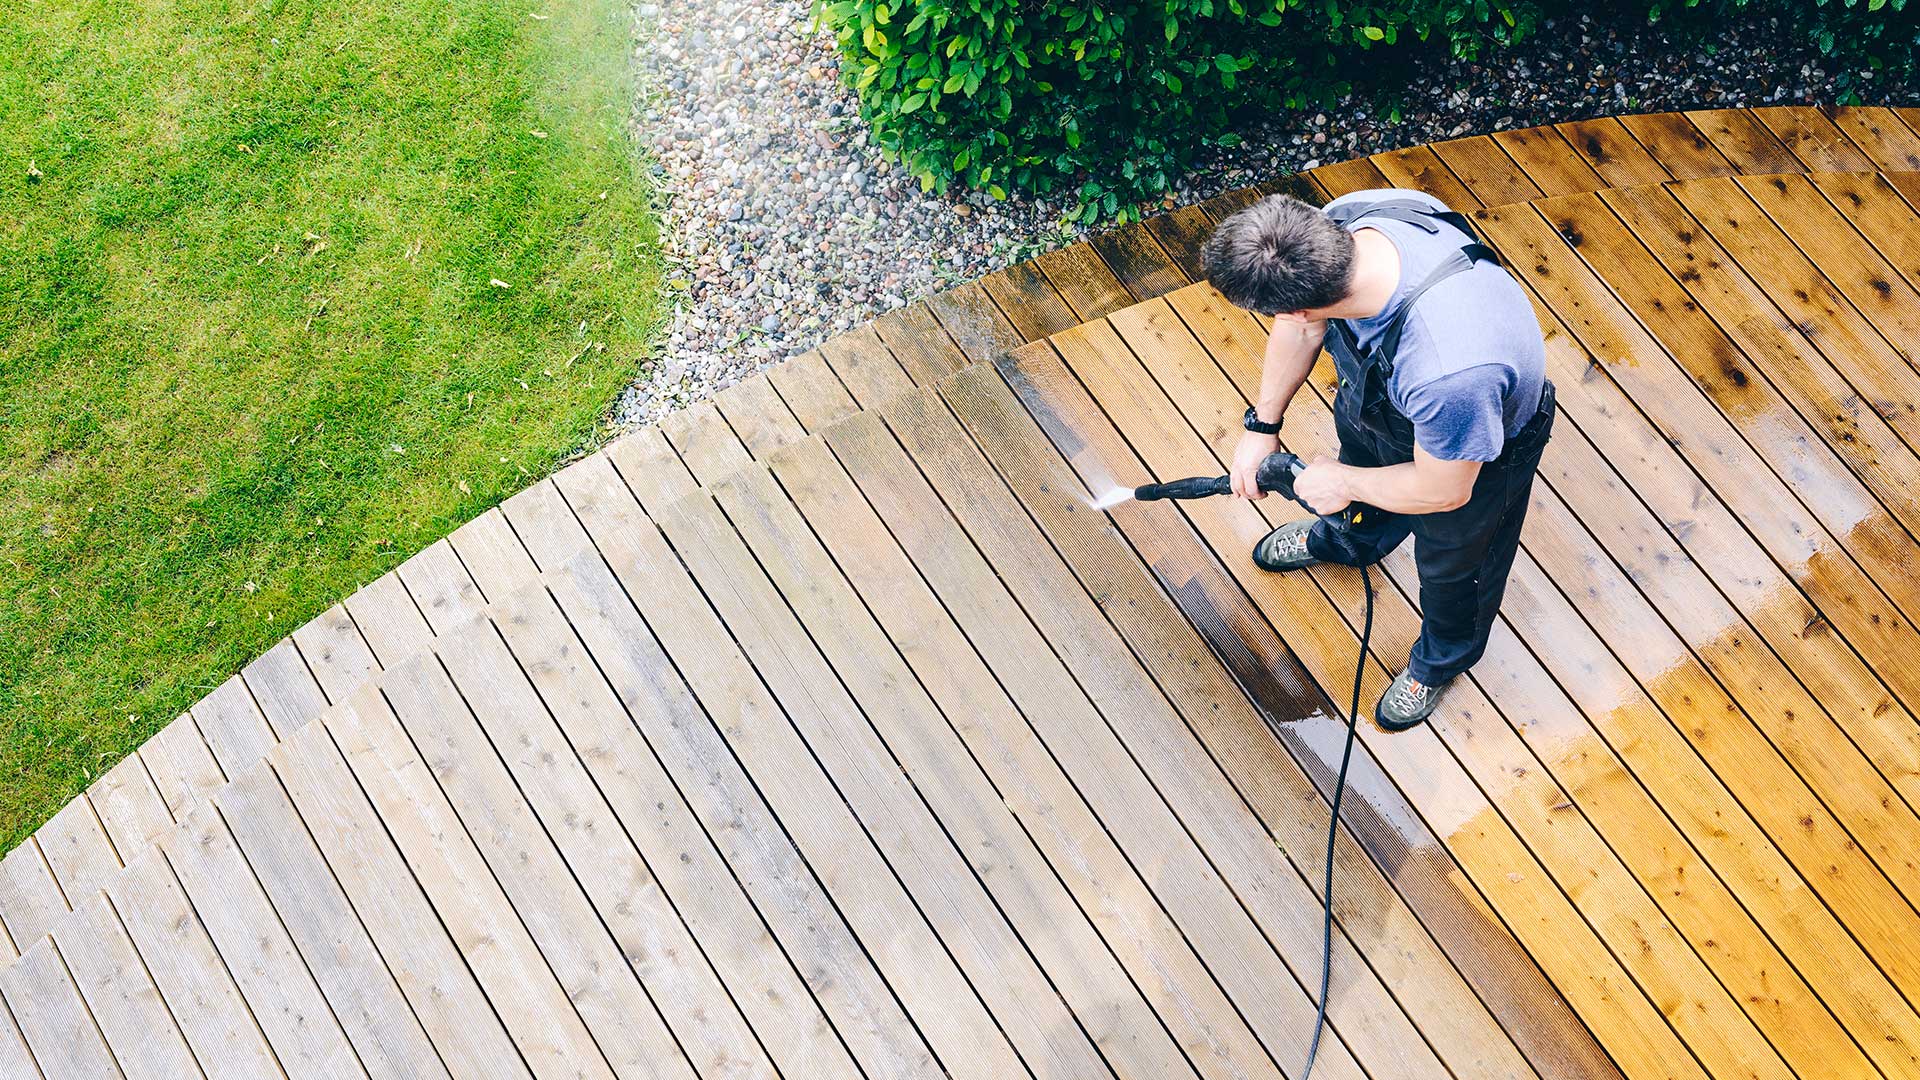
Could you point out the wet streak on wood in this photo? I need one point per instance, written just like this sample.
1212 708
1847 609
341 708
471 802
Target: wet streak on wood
1030 301
1139 261
1083 280
1876 289
1740 474
1872 204
1416 167
970 318
1602 881
1553 1038
1587 976
1183 233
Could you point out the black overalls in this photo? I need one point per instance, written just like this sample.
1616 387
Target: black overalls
1463 554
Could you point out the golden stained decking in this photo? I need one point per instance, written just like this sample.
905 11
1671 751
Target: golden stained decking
825 731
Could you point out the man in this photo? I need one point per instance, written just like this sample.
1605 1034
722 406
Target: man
1442 411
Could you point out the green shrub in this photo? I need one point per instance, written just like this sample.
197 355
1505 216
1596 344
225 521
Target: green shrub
1117 98
998 94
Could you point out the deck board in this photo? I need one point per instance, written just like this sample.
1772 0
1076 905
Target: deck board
824 731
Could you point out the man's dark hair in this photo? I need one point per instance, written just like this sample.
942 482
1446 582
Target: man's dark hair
1280 254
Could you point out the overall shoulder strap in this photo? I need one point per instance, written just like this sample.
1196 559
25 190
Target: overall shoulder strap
1458 262
1412 211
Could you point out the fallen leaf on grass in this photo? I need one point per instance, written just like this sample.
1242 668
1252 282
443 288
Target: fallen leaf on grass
537 133
498 284
33 172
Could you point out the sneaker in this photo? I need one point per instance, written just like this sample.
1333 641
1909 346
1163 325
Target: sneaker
1285 548
1406 703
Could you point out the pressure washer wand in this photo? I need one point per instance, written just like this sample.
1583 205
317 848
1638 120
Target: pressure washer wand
1276 473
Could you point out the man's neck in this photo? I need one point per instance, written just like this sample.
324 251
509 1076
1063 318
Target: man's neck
1376 276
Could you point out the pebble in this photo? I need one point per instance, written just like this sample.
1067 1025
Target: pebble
784 227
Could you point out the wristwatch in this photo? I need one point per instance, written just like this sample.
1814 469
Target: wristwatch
1253 423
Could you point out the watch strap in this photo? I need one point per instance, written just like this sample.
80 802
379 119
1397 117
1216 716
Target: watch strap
1252 422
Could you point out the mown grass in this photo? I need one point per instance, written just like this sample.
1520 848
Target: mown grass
251 352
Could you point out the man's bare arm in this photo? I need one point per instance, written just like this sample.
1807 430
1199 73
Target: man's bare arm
1292 346
1425 485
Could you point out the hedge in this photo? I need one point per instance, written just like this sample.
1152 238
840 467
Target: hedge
1118 97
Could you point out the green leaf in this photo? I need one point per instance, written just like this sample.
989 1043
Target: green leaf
1373 33
912 103
1226 63
1172 27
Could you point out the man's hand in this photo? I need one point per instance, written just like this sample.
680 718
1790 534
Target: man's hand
1253 449
1324 485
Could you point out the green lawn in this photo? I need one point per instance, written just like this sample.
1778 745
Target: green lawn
252 352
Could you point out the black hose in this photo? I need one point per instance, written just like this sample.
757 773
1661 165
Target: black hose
1333 828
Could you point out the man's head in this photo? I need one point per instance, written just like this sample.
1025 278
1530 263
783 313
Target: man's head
1278 256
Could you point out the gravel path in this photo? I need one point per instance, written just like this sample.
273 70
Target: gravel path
784 227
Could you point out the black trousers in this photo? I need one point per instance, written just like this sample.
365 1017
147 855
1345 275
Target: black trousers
1464 555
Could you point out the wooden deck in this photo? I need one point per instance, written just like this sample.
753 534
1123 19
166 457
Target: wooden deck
826 731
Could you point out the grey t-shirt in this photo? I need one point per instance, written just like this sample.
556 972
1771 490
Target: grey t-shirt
1471 361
